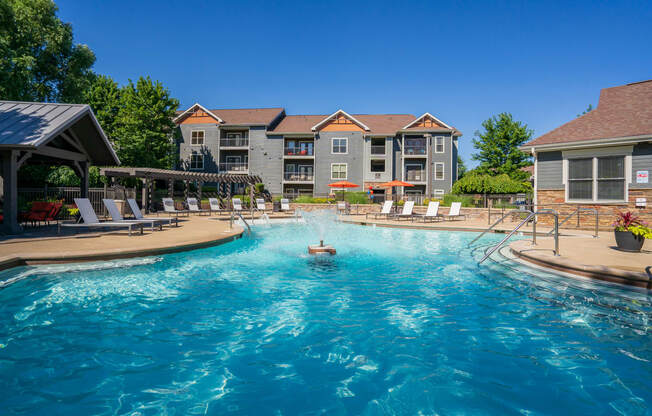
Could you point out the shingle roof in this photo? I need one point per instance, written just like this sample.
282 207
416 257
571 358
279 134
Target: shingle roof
246 116
623 111
32 124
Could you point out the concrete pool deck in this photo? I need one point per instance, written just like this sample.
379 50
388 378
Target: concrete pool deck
581 254
48 247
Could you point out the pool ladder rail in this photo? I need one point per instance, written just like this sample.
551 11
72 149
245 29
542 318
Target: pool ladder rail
531 216
233 215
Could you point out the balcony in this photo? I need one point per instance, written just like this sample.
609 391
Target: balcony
415 176
377 149
414 150
298 177
238 167
237 142
297 152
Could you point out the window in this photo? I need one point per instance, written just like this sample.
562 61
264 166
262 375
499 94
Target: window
439 171
196 161
377 146
338 171
439 144
596 179
378 166
340 145
197 138
438 192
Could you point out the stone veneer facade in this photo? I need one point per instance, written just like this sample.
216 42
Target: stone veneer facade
606 212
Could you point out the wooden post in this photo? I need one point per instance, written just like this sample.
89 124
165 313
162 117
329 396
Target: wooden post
84 179
150 192
10 188
186 190
171 188
200 184
143 195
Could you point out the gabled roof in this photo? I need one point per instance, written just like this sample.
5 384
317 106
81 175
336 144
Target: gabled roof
378 124
32 125
408 126
623 112
191 110
338 113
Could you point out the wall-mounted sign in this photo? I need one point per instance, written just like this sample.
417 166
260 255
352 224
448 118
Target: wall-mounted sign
641 202
642 176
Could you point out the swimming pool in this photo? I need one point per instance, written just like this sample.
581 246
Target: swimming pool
398 322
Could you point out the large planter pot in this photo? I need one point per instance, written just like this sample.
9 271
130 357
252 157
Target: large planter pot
627 241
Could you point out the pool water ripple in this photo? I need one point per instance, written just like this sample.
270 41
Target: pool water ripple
398 322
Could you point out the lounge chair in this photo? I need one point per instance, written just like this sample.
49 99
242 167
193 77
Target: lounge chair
116 216
237 204
193 206
260 204
384 212
168 207
343 208
285 206
133 205
215 206
91 221
454 212
407 211
432 214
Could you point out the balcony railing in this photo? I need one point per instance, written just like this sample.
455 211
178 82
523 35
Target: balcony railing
234 167
294 151
237 142
377 149
415 176
298 177
414 150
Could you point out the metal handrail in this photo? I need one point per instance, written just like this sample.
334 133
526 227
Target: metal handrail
496 223
233 214
577 211
534 232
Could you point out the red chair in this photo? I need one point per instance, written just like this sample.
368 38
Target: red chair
54 212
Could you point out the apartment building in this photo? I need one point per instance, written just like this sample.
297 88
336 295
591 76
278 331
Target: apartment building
302 154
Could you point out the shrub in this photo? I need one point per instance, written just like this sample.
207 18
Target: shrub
474 183
466 200
626 221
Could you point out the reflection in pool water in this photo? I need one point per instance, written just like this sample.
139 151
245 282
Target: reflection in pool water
399 322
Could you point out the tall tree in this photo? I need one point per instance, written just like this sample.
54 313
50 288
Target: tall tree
105 99
461 167
498 144
144 125
39 60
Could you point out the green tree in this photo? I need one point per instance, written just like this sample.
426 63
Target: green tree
588 109
144 126
103 96
39 60
461 167
478 183
498 144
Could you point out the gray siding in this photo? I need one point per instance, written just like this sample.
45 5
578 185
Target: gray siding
210 149
641 160
549 170
323 159
444 158
266 158
386 176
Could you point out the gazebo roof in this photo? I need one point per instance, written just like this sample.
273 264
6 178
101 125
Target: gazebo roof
182 175
54 131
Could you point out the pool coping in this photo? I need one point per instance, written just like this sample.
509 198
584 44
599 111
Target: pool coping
8 262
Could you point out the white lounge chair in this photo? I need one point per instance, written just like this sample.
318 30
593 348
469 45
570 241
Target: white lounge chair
91 221
133 205
432 214
116 216
285 205
260 204
343 208
168 207
407 211
193 206
215 206
384 212
454 212
237 204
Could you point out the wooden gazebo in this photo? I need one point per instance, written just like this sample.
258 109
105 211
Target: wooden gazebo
149 175
50 134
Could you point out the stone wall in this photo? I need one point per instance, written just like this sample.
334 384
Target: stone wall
606 212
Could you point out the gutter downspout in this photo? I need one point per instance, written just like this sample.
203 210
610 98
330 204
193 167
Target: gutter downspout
536 180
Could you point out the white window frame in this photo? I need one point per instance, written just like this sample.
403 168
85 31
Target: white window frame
443 144
378 160
203 137
438 192
346 141
202 161
423 171
594 154
443 171
346 170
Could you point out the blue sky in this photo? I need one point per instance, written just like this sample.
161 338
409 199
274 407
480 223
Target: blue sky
462 61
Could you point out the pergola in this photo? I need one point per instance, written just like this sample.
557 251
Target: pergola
148 175
50 134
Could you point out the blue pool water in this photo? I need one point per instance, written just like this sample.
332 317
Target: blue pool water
398 322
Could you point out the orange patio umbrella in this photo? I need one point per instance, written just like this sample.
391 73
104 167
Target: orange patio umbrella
343 184
394 183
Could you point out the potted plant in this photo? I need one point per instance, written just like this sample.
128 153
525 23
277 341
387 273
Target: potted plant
630 232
